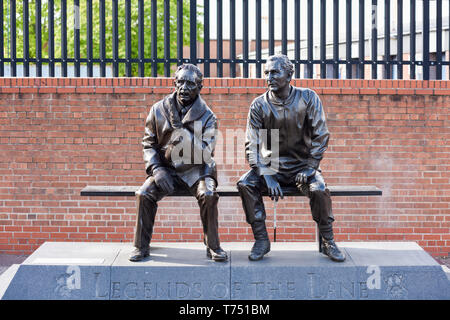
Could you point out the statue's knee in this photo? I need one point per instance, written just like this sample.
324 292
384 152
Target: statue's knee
318 188
243 185
209 196
144 195
139 195
319 192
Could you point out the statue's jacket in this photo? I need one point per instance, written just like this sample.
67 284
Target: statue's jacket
302 130
159 136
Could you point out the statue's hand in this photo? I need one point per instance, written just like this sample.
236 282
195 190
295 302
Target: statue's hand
304 175
168 153
273 187
175 139
164 180
177 136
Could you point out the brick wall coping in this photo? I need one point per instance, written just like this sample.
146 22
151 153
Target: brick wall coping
220 86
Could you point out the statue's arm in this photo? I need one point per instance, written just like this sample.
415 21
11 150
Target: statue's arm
209 138
318 129
150 144
253 138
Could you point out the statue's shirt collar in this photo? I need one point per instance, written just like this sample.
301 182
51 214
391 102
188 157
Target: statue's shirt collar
278 102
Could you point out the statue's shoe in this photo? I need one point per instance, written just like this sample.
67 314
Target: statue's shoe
259 249
217 254
139 254
330 249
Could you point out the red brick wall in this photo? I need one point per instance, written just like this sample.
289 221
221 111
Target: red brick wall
59 135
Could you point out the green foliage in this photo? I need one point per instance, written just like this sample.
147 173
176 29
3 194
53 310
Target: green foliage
96 30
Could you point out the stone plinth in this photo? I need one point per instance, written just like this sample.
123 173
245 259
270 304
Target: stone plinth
177 271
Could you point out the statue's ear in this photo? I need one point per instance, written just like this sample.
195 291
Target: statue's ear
290 76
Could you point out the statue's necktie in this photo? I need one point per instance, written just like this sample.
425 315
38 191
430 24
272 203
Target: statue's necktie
183 112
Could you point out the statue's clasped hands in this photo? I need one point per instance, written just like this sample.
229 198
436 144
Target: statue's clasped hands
304 175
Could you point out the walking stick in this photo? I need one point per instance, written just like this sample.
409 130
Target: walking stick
275 221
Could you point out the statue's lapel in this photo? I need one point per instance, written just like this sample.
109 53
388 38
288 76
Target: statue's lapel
196 111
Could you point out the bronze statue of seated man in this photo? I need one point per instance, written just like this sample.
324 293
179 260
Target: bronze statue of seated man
178 157
296 115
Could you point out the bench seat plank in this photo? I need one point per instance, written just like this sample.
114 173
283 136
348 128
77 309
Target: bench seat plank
230 191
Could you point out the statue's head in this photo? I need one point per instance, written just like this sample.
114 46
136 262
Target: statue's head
188 83
278 72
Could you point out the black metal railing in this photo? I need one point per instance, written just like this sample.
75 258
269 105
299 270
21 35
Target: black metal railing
147 38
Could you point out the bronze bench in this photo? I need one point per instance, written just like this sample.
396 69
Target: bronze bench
231 191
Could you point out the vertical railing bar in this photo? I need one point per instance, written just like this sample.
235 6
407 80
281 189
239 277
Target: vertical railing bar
297 38
219 39
51 38
26 38
335 39
426 40
180 32
258 38
89 38
167 38
141 45
102 38
284 18
193 31
439 40
412 40
310 39
374 39
232 38
400 39
348 38
38 31
387 38
12 20
323 70
154 52
271 27
361 39
77 25
245 37
2 56
64 38
206 49
115 18
128 70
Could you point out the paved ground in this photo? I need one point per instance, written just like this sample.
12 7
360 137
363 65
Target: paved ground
444 260
6 260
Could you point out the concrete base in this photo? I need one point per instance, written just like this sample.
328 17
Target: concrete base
175 271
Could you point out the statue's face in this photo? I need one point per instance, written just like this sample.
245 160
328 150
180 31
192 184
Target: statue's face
187 86
277 77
